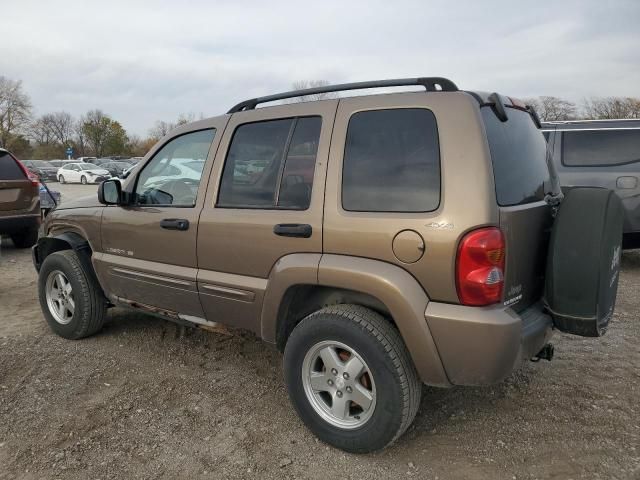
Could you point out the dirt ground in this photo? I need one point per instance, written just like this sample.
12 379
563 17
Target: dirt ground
145 399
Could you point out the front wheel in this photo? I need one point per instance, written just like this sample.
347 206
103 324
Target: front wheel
61 179
350 378
83 180
70 297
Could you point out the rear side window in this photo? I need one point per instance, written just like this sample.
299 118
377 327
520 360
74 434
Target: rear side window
518 153
593 148
270 164
391 162
9 168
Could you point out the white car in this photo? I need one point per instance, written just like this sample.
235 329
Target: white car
82 173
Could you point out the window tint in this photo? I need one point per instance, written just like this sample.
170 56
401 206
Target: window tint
589 148
391 162
518 153
9 168
270 164
173 176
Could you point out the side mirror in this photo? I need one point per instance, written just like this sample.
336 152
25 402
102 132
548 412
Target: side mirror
110 192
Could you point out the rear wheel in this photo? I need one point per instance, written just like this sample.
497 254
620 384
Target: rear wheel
26 238
70 297
83 180
350 378
61 179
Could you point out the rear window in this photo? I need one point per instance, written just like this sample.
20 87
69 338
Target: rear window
9 168
518 153
594 148
391 162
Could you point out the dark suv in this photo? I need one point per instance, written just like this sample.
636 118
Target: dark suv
19 201
601 153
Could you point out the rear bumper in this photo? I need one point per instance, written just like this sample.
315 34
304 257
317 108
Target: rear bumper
483 345
18 223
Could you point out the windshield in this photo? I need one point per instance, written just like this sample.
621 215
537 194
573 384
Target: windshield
88 166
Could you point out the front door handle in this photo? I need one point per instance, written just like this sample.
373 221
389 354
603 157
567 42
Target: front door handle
175 224
297 230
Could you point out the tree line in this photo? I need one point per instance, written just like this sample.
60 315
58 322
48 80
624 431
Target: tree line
97 134
48 136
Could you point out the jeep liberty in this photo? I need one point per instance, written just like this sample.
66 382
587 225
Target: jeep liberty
380 241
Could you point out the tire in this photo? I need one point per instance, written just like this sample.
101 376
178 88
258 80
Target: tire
90 306
391 378
83 180
61 179
583 264
26 238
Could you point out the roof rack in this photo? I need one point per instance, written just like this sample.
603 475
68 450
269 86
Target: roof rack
430 84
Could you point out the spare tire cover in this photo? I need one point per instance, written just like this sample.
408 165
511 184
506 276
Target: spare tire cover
583 264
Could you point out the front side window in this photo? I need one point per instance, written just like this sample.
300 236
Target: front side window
173 175
391 162
271 164
593 148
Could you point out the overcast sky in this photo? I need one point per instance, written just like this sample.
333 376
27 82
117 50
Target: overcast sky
140 61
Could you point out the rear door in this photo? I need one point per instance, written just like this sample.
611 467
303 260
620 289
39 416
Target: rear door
265 201
18 194
518 153
608 158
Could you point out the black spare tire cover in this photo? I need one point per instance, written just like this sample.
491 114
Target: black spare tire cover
583 264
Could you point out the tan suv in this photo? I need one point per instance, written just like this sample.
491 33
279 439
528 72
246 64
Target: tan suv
19 201
380 241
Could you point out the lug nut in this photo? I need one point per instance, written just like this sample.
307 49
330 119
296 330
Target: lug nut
339 394
334 371
349 389
330 382
345 375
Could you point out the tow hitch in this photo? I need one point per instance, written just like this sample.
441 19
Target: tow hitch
545 354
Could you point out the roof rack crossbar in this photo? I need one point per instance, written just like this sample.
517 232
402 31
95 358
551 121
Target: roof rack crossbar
430 84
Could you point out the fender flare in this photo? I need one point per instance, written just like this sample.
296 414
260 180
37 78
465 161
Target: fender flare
393 286
64 241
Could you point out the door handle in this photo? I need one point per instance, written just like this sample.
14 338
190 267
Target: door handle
175 224
297 230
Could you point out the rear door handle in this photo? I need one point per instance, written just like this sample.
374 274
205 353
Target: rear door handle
297 230
175 224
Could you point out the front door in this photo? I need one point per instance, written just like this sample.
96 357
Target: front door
265 203
148 253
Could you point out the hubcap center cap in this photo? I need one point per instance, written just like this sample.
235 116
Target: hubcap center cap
339 382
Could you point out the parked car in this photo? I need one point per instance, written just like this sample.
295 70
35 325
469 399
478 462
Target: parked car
601 153
49 199
60 163
85 159
43 169
431 244
100 161
116 169
82 173
19 201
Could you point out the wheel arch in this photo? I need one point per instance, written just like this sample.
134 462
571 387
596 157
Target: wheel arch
302 283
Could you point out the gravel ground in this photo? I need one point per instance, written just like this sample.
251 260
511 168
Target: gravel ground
147 399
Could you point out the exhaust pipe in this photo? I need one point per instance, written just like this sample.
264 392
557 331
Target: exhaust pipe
545 354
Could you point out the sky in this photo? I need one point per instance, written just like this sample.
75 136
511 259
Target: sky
142 61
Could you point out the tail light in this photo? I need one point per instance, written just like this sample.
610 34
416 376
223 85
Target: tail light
480 267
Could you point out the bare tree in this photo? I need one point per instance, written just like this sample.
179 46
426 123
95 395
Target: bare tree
40 131
160 129
611 107
552 109
15 109
61 126
304 84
